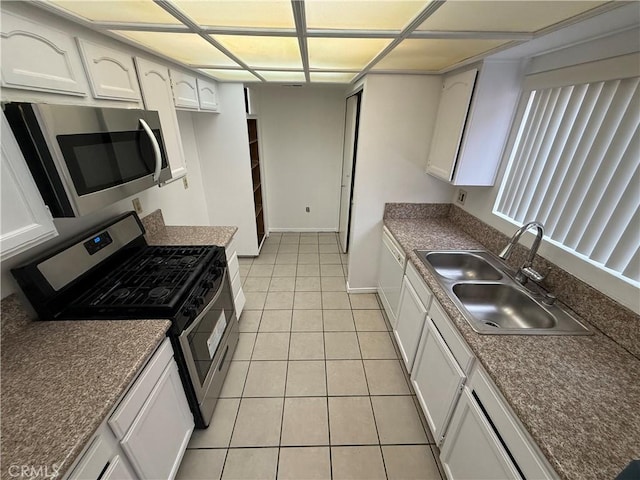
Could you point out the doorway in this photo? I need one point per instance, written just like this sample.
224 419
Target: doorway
349 151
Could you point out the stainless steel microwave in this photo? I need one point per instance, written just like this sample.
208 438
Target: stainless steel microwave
85 158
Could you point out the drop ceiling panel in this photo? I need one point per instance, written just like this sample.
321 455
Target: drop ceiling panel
239 13
343 53
273 76
509 16
331 77
231 75
265 52
139 11
361 15
187 48
433 55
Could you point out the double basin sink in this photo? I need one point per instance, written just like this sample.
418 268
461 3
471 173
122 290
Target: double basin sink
491 301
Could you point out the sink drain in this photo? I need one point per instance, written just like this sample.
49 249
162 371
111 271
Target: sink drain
491 324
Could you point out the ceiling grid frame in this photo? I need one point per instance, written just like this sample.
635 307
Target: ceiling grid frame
302 32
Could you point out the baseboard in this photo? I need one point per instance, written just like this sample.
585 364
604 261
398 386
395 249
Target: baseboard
302 230
361 290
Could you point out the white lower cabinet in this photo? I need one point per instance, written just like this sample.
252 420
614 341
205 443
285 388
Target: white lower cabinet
390 274
437 380
148 432
411 317
234 277
160 433
471 450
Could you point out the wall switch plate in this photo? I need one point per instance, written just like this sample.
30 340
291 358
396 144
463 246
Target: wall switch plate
307 209
185 182
137 206
462 196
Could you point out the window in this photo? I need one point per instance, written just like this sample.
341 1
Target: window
574 164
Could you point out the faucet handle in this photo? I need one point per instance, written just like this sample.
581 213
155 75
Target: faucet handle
532 274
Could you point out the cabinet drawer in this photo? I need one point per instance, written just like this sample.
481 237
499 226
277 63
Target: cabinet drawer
135 398
234 267
231 249
236 284
418 285
455 342
93 461
239 302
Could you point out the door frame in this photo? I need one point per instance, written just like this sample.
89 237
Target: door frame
357 93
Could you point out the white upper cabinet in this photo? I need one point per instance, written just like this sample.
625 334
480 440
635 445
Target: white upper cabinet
25 219
450 122
37 57
158 95
185 90
208 92
111 73
474 117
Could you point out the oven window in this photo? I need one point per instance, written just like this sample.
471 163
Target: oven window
205 340
101 160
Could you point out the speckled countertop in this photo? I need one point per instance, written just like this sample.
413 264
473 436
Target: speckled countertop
59 381
578 396
160 234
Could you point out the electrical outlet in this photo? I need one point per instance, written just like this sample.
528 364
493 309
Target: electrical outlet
462 196
137 206
185 182
307 209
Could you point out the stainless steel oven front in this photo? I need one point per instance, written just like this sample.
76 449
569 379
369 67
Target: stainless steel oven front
207 345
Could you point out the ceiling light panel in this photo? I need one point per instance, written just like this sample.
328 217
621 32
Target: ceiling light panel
432 54
239 13
264 52
331 77
273 76
508 16
362 14
187 48
231 75
129 11
343 53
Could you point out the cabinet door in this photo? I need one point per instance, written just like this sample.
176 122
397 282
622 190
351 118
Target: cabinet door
158 437
453 107
36 57
208 92
25 220
118 470
390 274
437 380
157 95
111 72
185 90
471 450
411 318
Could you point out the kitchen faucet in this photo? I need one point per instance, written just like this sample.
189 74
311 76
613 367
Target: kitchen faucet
526 271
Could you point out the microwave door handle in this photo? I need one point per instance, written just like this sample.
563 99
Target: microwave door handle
156 149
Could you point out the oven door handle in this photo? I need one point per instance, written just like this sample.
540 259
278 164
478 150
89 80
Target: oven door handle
196 320
156 150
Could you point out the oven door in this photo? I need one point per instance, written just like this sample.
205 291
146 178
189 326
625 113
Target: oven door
93 157
208 344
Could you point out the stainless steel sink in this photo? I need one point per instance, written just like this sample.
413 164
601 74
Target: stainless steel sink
462 266
491 301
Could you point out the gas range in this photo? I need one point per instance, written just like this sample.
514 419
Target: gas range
110 272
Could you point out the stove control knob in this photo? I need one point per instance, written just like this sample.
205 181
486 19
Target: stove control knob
207 284
190 312
198 301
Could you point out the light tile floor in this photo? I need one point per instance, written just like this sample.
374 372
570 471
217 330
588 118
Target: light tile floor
315 389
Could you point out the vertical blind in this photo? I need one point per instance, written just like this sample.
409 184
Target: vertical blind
575 167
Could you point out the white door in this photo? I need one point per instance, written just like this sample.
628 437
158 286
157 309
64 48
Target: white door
348 156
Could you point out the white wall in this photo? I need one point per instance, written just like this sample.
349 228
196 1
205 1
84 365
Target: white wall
301 131
480 200
223 146
396 123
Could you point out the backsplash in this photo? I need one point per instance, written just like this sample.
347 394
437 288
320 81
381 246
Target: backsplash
613 319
